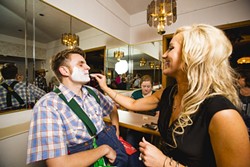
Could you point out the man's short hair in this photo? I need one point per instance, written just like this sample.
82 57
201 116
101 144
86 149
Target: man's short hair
60 58
9 71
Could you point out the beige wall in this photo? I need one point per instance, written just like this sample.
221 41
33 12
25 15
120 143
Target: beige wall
13 139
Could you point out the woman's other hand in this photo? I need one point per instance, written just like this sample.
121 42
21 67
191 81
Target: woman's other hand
151 155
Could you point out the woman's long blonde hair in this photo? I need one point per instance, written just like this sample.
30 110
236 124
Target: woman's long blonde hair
205 53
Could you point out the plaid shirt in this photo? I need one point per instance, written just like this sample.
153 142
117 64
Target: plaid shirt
41 83
54 126
33 94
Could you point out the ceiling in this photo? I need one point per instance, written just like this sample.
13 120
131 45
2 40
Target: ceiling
134 6
49 27
50 22
53 23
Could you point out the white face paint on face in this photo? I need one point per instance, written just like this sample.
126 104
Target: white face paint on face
79 75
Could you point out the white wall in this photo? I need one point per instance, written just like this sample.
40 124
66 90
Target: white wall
11 46
96 13
13 152
107 16
14 128
14 118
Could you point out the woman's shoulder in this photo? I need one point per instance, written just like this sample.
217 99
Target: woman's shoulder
219 102
215 104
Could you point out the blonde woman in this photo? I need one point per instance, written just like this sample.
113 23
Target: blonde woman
199 116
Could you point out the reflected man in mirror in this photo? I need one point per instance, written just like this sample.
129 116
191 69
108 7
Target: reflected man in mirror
40 80
13 94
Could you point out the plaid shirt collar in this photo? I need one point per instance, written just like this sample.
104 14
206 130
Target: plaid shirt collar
70 94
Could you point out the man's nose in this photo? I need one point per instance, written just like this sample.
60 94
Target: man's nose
87 67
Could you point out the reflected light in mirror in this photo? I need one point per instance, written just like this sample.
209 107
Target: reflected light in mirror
118 55
151 64
142 62
121 67
243 60
69 39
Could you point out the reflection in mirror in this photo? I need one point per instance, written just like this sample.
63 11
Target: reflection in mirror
22 42
45 26
125 62
95 59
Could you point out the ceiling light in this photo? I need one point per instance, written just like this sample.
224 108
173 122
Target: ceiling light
151 64
157 66
118 55
69 39
161 13
121 67
142 62
243 60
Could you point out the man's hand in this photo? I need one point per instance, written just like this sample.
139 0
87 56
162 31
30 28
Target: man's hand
111 154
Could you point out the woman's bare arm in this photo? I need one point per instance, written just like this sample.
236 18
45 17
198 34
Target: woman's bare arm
230 140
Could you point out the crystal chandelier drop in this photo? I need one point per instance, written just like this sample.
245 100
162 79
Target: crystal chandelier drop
69 39
161 13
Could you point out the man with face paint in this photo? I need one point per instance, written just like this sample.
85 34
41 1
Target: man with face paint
58 136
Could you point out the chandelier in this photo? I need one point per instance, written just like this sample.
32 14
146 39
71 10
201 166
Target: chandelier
151 64
157 66
69 39
154 65
161 13
118 55
142 62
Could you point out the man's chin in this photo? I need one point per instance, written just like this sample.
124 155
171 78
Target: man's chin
85 82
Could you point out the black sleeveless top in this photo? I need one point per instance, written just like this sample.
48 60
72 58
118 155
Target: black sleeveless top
194 148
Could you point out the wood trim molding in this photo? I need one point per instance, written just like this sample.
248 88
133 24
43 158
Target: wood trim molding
14 130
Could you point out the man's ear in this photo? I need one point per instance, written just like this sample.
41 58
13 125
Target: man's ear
64 71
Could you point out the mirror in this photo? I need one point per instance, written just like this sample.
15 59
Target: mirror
30 40
133 60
